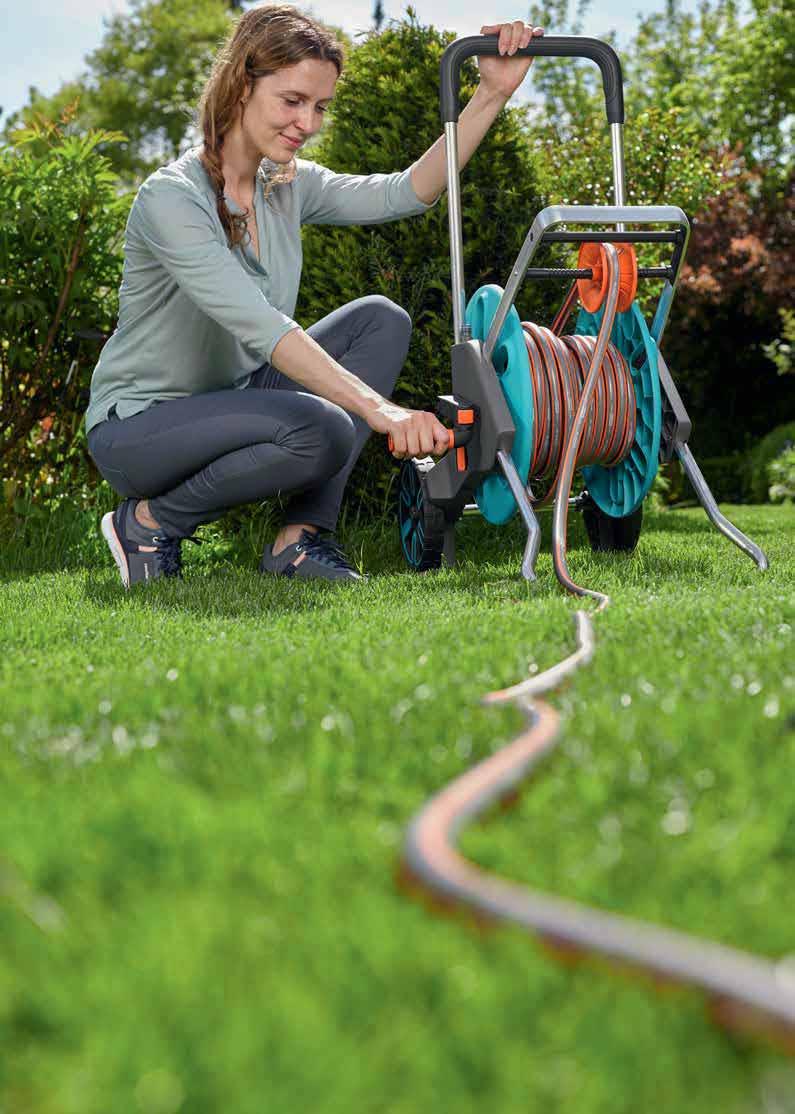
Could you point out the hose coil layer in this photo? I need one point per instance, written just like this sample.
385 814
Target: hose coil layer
558 369
541 375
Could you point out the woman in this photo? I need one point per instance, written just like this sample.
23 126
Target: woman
208 394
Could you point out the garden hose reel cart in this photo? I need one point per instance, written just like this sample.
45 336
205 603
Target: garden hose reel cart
516 385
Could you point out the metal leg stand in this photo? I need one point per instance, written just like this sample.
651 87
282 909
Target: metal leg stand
530 520
707 500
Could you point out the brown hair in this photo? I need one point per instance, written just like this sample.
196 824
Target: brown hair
264 40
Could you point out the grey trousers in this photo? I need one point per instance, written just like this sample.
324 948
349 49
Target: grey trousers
194 458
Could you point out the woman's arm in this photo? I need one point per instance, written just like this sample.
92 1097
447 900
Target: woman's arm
500 77
414 432
305 362
429 172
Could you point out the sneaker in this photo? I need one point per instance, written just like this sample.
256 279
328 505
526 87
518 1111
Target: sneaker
140 553
313 555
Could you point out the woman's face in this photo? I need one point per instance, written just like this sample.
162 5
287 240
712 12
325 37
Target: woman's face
288 104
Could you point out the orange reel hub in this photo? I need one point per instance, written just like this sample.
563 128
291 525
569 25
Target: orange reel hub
593 291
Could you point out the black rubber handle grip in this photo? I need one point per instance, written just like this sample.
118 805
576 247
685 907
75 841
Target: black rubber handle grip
551 46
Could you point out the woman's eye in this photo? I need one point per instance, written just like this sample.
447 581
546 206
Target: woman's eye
294 103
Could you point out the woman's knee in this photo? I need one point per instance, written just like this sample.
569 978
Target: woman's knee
116 477
338 434
394 316
390 341
323 438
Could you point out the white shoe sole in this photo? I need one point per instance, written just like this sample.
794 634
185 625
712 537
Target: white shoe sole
116 548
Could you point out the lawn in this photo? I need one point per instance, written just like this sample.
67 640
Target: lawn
206 784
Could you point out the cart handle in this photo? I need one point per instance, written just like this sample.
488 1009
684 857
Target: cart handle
555 46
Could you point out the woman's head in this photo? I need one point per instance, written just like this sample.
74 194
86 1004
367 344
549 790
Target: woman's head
271 80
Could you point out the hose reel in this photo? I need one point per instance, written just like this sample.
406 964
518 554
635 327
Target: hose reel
521 389
541 375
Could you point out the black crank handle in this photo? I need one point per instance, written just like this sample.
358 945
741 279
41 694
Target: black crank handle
458 437
550 46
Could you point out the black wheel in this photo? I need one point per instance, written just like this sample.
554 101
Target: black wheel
608 533
421 523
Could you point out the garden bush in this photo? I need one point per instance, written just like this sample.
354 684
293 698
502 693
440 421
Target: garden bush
61 221
781 474
760 458
725 476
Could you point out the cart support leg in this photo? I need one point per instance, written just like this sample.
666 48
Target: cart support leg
526 510
707 500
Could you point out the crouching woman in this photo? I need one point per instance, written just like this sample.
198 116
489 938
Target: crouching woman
209 394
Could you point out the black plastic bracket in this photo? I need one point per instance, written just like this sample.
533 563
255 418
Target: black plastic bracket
475 386
676 424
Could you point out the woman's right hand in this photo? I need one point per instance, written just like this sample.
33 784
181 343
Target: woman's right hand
412 432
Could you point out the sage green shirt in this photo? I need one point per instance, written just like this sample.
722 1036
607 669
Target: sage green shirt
196 316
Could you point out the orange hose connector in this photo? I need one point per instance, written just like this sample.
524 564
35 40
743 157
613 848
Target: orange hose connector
593 291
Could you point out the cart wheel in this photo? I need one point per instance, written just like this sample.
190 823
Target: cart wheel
421 522
608 533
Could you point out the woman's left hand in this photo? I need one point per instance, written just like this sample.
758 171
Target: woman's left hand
497 74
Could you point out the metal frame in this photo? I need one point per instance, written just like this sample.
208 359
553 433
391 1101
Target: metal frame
548 219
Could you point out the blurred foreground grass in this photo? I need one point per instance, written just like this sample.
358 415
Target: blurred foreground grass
205 786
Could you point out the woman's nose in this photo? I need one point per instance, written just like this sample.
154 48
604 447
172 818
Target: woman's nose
305 121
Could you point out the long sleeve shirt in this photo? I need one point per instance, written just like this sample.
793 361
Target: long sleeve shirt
195 315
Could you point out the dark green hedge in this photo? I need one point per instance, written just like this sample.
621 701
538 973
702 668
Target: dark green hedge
734 478
725 475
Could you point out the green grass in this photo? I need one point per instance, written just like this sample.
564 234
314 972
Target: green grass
205 787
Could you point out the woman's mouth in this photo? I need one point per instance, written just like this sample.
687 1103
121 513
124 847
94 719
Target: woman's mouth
290 142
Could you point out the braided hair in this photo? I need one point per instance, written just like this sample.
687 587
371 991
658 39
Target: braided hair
264 40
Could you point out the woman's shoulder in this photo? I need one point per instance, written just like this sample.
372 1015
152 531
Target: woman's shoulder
185 175
308 168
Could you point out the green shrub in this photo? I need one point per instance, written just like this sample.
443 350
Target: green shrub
760 458
61 223
782 350
725 476
659 495
386 115
781 474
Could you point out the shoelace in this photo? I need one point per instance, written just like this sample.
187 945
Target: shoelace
324 548
170 554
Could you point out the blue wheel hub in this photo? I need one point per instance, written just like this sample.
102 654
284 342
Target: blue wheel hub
411 503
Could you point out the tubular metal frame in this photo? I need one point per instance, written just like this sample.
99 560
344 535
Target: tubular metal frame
548 219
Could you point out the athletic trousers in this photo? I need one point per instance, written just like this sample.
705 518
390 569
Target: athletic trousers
194 458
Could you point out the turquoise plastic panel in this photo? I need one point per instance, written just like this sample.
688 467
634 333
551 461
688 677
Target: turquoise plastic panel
619 491
512 365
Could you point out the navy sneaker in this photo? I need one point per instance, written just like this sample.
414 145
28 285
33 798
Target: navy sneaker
140 553
313 555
